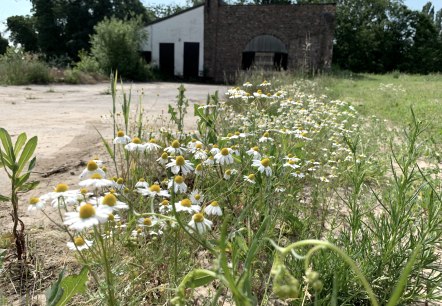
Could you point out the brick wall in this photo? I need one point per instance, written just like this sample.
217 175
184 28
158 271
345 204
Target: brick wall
228 29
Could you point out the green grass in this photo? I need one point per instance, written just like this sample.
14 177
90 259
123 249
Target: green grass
370 96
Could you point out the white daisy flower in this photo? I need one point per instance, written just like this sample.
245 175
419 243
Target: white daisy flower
254 152
62 196
291 164
135 145
249 178
199 169
200 224
247 84
196 197
151 146
263 166
141 184
186 205
213 209
164 159
265 138
178 184
165 207
91 168
224 157
265 84
180 164
35 204
175 148
210 161
215 150
229 172
119 184
298 174
200 154
87 216
147 221
96 182
195 145
112 202
121 138
79 244
154 190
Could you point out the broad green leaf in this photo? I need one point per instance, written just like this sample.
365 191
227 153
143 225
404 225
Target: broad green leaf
7 144
21 180
107 145
257 240
200 277
29 186
241 243
54 293
73 285
27 153
4 198
5 160
32 164
19 143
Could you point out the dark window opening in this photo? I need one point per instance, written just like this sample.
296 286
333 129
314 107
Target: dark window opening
265 52
167 59
191 60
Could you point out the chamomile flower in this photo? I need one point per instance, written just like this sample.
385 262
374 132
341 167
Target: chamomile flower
180 164
263 166
224 157
298 174
196 197
135 145
121 138
178 184
147 221
175 148
151 145
249 178
154 190
87 216
186 205
247 84
228 173
141 184
200 224
112 202
265 84
265 138
61 196
199 169
210 161
165 207
213 209
119 184
291 163
200 154
254 152
164 159
215 150
35 204
96 181
79 244
91 168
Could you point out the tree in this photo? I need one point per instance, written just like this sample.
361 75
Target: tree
115 46
3 45
22 31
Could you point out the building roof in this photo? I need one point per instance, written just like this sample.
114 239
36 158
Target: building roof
176 14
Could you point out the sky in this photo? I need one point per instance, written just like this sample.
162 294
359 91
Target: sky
23 7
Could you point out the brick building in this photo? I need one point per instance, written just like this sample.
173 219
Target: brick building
215 40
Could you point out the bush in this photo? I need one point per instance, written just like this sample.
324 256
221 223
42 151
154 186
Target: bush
115 48
87 63
20 68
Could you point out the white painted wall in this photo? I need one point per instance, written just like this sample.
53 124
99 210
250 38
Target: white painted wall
185 27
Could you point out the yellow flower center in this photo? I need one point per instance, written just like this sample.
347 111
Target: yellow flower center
199 167
78 241
228 172
265 162
61 188
104 168
155 188
225 151
251 177
120 133
237 133
147 221
214 203
176 144
199 217
152 140
164 155
193 140
34 201
266 134
259 91
179 179
199 146
165 202
197 196
114 178
87 211
83 191
136 140
291 162
215 146
229 135
109 200
141 180
120 181
186 203
255 149
180 161
96 176
92 166
111 217
290 155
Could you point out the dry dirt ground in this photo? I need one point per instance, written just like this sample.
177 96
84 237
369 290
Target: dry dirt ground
64 117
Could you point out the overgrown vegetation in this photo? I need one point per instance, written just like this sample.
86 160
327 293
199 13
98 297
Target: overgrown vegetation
281 195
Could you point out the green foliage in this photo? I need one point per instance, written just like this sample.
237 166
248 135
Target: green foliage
178 113
19 68
115 47
23 32
3 45
87 63
65 288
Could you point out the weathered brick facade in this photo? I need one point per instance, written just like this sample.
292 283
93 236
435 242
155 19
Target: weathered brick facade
305 29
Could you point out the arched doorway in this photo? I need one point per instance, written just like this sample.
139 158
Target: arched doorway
265 52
